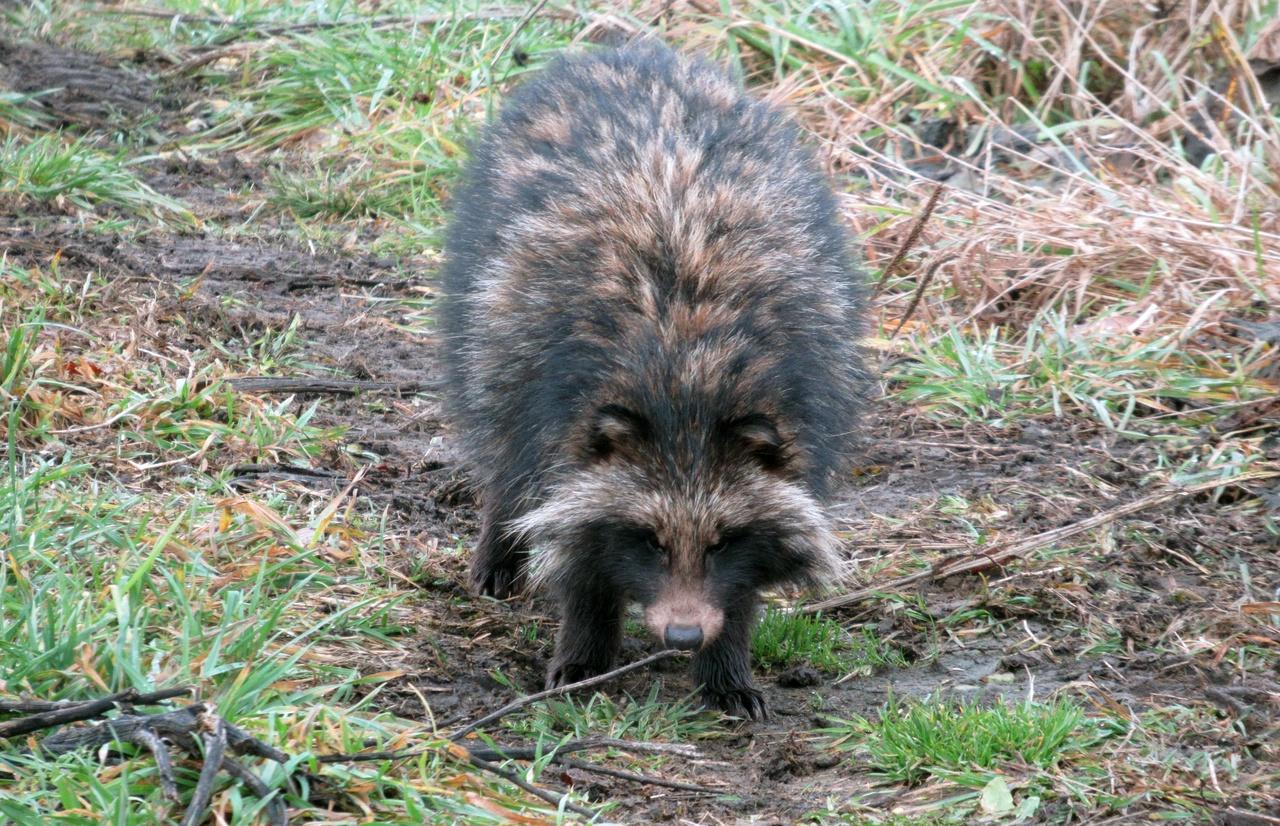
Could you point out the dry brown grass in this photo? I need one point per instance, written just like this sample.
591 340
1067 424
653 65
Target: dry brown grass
1100 212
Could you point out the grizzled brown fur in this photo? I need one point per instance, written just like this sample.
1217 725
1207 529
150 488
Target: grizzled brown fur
650 318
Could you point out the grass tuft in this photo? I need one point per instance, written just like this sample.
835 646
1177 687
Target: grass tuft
16 111
72 174
784 639
600 715
964 740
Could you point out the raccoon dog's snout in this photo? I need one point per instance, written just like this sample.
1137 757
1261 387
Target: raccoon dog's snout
650 318
687 637
686 621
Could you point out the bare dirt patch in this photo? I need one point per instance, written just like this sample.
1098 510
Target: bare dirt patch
77 88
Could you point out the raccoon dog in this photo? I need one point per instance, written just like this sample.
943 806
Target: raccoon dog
650 313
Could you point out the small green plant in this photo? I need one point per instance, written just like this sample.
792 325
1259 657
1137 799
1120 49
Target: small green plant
528 632
600 715
49 169
273 349
15 375
408 188
784 639
16 109
964 741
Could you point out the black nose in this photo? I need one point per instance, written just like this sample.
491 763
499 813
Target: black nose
687 637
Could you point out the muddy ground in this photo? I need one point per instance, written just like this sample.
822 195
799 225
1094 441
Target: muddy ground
1140 614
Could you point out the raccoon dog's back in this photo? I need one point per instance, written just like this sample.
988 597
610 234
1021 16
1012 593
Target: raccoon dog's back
631 214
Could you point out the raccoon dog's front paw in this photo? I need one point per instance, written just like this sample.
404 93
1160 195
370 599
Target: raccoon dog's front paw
499 580
738 702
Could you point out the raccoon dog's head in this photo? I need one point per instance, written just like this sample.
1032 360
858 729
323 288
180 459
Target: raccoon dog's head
686 511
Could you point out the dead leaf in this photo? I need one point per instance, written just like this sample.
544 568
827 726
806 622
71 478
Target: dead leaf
1266 49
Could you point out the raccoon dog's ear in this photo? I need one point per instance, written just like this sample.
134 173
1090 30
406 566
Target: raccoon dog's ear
615 427
758 435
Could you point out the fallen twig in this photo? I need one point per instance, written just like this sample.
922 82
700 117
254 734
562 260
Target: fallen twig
184 726
589 744
215 746
558 691
375 21
553 798
177 726
180 727
910 241
919 294
634 777
646 747
214 55
246 744
970 561
49 714
247 474
202 733
332 387
310 282
150 741
533 11
521 752
1243 817
277 814
486 759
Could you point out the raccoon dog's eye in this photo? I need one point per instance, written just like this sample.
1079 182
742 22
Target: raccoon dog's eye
654 547
727 538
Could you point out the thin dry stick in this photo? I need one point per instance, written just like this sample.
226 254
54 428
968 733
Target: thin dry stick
968 562
520 752
558 691
179 727
1243 816
924 284
377 21
910 241
183 726
633 777
273 34
585 744
129 697
149 740
213 56
644 747
318 386
277 814
373 756
534 10
245 743
215 747
50 714
542 794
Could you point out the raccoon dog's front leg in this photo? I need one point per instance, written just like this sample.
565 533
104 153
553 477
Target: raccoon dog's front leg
723 668
498 560
590 631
